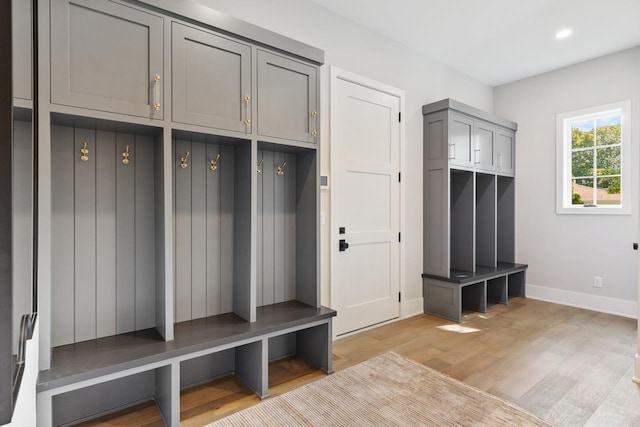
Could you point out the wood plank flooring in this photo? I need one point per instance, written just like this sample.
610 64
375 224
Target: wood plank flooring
569 366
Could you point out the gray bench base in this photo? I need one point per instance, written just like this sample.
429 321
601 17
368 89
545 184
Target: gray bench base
447 297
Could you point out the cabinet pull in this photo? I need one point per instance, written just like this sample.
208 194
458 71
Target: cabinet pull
477 161
247 120
452 151
499 160
156 92
314 115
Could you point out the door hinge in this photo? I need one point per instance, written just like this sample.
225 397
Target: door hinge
399 296
399 237
399 117
399 177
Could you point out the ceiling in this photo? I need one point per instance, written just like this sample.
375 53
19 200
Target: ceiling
500 41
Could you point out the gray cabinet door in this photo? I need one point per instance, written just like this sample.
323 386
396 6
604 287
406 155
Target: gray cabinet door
106 56
211 80
460 141
505 161
287 98
484 146
21 15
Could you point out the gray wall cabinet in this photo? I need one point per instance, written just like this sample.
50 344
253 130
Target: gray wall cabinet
21 26
468 188
173 248
287 98
469 210
106 56
211 80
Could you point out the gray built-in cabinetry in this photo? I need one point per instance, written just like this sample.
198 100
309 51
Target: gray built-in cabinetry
178 205
469 212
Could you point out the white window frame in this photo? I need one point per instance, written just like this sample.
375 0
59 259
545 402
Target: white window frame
563 160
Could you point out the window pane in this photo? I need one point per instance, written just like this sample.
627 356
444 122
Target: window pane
582 163
582 134
608 130
608 161
608 192
582 193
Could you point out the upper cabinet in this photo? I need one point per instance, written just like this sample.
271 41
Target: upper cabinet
287 98
211 80
106 56
460 140
504 160
485 135
21 15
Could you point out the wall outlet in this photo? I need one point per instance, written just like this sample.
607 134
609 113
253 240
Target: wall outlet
597 281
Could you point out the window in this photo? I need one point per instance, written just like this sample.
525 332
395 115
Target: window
593 160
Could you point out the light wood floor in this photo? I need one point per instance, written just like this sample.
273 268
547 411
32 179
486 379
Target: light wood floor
569 366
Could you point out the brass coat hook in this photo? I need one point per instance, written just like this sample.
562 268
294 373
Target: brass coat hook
281 169
259 167
183 160
214 163
125 155
84 150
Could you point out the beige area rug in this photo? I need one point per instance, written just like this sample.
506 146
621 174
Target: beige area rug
388 390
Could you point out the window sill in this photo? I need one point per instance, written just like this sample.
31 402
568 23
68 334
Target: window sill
600 210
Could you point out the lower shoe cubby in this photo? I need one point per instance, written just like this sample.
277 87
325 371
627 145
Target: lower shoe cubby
100 400
517 284
497 290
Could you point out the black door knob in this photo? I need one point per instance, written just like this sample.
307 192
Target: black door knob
343 245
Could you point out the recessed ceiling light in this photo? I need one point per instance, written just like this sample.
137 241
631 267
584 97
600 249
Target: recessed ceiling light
563 33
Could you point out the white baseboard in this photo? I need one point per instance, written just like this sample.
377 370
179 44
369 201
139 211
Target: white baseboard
412 307
608 305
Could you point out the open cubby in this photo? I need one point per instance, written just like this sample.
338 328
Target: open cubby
474 297
107 228
101 399
497 290
461 221
516 283
287 238
212 225
506 219
485 220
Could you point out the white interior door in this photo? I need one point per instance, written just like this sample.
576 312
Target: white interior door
365 200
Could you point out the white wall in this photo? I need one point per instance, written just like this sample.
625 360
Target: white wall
354 48
564 252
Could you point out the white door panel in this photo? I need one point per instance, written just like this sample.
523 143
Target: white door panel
365 144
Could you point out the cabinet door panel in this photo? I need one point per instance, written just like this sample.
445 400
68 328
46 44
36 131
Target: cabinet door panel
104 56
211 78
461 140
287 98
504 161
484 146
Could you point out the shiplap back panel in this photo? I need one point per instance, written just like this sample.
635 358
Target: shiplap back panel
204 230
103 242
276 236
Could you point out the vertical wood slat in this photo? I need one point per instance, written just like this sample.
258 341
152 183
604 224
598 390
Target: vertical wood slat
62 236
141 161
268 211
199 171
214 245
182 200
290 228
105 153
279 228
259 231
85 237
227 185
125 240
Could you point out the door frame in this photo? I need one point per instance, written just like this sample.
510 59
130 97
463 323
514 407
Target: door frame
336 74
